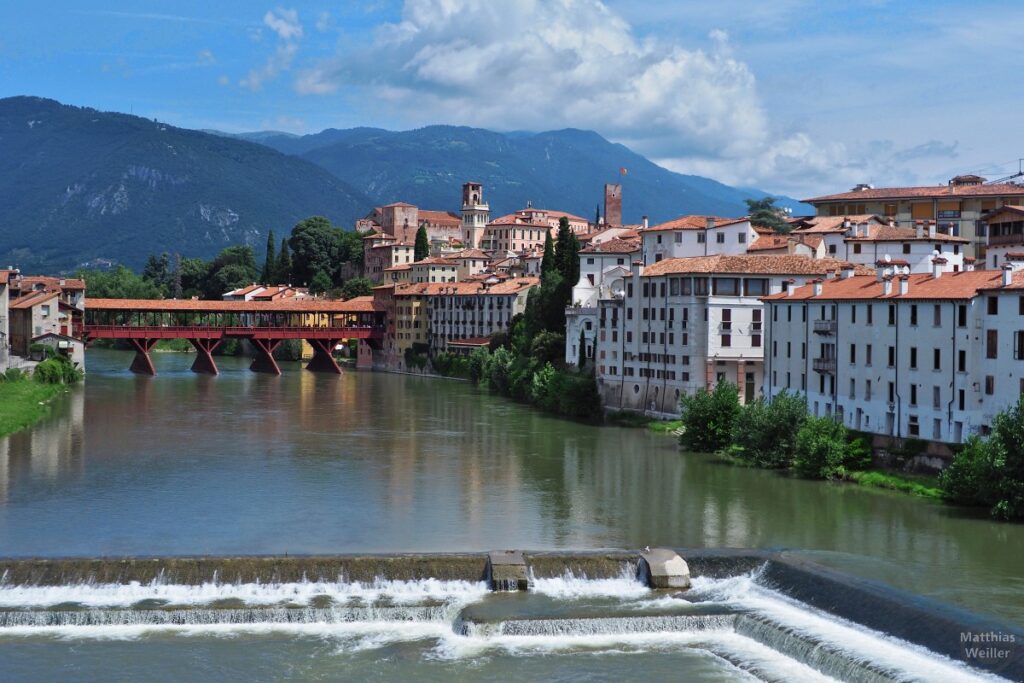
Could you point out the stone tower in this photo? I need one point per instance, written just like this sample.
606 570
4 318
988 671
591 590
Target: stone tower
475 214
613 205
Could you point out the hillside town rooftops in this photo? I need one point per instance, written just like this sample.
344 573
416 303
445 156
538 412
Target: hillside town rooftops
750 264
889 233
613 246
31 299
41 282
961 285
290 305
924 192
828 224
469 253
693 223
468 288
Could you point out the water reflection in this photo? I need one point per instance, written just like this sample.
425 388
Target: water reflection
247 463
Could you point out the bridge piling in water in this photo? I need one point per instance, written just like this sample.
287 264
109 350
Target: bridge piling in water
142 364
204 363
323 356
264 360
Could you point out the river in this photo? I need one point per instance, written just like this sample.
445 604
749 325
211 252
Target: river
306 463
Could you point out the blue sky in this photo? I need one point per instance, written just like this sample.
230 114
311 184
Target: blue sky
792 96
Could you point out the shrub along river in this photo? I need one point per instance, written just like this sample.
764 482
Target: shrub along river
305 463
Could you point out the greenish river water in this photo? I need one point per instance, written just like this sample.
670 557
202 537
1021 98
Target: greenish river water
305 463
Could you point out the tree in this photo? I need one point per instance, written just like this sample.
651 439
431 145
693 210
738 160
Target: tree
283 273
193 276
583 349
822 449
547 261
356 286
320 283
158 271
765 432
119 283
315 245
422 248
176 283
764 214
597 216
269 262
548 347
708 418
232 268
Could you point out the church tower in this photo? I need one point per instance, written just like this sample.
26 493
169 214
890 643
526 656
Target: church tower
475 214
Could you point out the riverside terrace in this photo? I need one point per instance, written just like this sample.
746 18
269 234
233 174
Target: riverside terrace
206 324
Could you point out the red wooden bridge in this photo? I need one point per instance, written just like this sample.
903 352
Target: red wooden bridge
206 324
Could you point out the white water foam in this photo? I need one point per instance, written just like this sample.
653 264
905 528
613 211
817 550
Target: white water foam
568 586
904 660
299 593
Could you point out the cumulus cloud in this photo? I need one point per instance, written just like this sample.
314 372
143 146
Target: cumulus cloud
285 24
541 64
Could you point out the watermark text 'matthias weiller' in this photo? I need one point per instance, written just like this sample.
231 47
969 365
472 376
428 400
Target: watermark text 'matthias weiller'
987 645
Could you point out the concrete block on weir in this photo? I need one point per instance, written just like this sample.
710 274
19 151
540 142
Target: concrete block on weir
506 570
664 568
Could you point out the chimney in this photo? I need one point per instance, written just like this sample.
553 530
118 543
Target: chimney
1007 275
938 264
863 229
790 287
886 285
920 229
645 223
710 223
817 286
892 222
846 223
968 264
931 229
847 271
904 284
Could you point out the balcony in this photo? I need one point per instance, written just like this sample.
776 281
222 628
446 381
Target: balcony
826 366
825 327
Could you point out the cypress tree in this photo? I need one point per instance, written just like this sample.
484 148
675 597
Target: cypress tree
563 249
547 263
583 349
597 216
270 263
284 264
422 248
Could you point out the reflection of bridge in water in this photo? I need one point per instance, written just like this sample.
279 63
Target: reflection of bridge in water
206 324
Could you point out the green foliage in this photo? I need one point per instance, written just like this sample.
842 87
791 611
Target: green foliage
356 286
314 243
267 277
708 418
158 271
547 261
917 485
764 214
289 350
232 268
451 365
421 249
989 472
582 362
823 449
320 283
498 371
119 283
57 369
23 402
765 433
548 347
414 359
283 272
477 365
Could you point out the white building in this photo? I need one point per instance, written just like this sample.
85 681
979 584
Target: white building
434 269
1005 235
473 311
928 355
5 321
869 239
696 236
682 324
603 269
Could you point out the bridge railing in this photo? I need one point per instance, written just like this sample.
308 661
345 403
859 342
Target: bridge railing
186 331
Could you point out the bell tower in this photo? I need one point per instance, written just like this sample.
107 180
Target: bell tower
475 214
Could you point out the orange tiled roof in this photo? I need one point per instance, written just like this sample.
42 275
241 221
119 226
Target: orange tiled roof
887 233
357 305
754 264
925 192
769 242
469 253
32 299
440 217
467 288
613 246
962 285
834 223
692 223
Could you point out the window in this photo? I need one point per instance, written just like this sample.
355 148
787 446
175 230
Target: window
906 248
990 384
961 315
913 314
726 286
993 305
892 392
867 390
720 238
1020 305
755 287
590 261
892 356
1018 345
992 344
867 355
677 237
892 314
673 286
913 428
701 238
853 354
741 238
871 316
961 361
937 315
913 394
936 359
856 248
936 398
913 358
853 388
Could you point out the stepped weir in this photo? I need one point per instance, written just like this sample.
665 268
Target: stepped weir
760 612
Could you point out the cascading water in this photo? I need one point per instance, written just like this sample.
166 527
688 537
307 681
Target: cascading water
746 627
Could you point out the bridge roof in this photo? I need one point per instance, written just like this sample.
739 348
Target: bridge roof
360 304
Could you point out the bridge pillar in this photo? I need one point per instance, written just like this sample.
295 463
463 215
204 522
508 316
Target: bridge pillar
323 356
264 360
204 356
143 364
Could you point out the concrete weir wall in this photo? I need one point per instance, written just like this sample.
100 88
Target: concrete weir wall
918 620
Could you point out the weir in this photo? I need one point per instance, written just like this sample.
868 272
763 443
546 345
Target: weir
740 606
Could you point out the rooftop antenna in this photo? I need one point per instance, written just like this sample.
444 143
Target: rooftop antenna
1018 174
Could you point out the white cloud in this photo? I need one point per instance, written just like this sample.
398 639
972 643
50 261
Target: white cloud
285 23
205 57
323 22
541 64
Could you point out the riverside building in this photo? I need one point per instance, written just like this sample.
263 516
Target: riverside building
933 356
461 315
683 324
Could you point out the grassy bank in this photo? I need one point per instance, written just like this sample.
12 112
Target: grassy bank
635 420
921 485
23 402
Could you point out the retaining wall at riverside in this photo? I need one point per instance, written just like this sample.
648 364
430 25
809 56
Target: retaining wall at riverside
918 620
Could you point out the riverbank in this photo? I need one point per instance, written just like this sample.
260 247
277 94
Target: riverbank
24 402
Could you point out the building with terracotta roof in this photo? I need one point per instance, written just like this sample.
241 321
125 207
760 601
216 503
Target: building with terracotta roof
696 236
526 229
255 292
435 269
382 251
468 310
931 356
1005 234
684 324
868 239
960 207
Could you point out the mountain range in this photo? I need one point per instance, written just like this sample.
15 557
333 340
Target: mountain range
78 184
